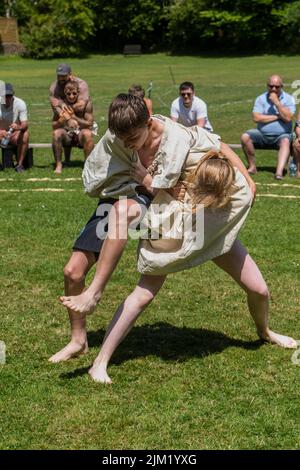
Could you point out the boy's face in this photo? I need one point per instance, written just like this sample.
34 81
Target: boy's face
71 94
137 138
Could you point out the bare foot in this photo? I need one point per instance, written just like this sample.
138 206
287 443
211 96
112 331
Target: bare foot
83 303
280 340
71 350
252 170
58 168
99 374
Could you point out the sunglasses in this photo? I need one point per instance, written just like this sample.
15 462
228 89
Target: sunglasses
72 93
186 94
274 86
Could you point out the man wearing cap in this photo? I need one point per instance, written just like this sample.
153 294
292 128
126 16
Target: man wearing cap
57 95
13 118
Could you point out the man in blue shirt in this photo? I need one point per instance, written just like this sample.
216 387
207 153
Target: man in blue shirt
273 112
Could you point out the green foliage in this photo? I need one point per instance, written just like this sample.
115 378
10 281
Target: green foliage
224 24
290 21
58 28
119 21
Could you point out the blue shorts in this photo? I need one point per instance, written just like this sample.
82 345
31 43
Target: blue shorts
263 141
93 234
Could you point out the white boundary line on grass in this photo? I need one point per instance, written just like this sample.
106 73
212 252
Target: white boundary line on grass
279 196
280 185
49 190
34 180
61 190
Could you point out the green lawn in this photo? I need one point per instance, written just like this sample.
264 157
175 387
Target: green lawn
192 374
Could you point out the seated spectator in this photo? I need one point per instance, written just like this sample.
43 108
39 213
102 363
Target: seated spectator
57 97
13 115
137 90
72 127
273 112
188 109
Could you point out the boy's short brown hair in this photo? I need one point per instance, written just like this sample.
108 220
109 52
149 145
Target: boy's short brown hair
127 113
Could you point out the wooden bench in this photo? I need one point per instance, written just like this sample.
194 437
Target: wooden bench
132 49
9 152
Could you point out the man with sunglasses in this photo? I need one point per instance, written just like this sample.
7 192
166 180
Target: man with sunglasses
72 126
273 112
188 109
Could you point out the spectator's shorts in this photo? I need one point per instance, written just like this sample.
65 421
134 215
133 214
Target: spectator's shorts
92 236
263 141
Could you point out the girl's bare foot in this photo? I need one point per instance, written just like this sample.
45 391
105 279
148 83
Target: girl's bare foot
280 340
83 303
99 374
72 349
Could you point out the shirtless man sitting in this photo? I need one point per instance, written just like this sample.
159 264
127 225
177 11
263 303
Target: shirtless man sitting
72 127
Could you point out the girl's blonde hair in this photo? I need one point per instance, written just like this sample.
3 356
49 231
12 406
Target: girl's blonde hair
212 181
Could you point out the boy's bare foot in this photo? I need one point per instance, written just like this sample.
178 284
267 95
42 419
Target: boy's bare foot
72 349
280 340
99 374
83 303
58 168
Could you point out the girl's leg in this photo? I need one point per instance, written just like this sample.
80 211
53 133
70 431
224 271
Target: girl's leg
120 216
241 267
74 272
122 322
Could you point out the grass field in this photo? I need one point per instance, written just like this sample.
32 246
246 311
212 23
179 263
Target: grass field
192 374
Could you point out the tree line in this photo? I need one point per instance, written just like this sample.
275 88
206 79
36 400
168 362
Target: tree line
53 28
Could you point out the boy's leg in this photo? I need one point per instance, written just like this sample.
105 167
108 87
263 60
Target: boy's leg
124 213
123 321
241 267
86 141
74 273
59 139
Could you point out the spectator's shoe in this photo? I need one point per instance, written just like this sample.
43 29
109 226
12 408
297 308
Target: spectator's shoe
278 177
19 169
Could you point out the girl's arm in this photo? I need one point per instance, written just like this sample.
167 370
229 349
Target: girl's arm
237 162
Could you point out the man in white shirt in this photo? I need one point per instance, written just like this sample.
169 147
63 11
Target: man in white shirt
188 109
13 115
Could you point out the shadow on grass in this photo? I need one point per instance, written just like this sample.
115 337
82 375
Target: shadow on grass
269 169
169 342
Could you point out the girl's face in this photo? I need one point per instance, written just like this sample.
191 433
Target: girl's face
137 138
